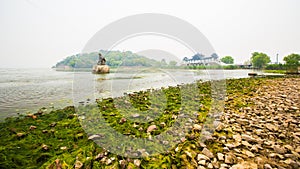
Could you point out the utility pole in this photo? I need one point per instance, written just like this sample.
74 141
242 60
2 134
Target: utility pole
277 59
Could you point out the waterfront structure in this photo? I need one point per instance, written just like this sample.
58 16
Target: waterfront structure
199 59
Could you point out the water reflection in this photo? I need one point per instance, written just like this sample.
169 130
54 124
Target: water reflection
24 90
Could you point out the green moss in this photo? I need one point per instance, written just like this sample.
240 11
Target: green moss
275 71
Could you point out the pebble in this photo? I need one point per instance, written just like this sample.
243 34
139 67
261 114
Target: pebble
201 167
202 157
267 166
137 162
230 159
245 143
45 147
122 164
197 127
245 165
220 156
78 164
32 127
210 166
206 152
135 115
271 127
249 154
254 148
108 161
122 120
202 162
93 136
278 149
21 134
237 137
151 128
63 148
248 138
220 127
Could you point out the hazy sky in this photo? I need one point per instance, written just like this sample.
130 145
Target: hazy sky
38 33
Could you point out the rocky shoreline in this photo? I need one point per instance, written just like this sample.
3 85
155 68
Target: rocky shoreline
265 134
260 128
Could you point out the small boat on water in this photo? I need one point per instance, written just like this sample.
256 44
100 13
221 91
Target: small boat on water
252 74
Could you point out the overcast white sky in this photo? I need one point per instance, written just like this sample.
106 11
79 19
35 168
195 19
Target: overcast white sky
38 33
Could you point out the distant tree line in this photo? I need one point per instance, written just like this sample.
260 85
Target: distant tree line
113 59
117 58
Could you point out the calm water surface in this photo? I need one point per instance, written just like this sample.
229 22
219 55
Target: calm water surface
27 90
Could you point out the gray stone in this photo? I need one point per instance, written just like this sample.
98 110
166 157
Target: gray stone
137 162
206 152
271 127
237 137
220 127
267 166
288 161
248 138
246 143
289 156
202 162
245 165
94 137
254 148
289 147
200 167
278 149
78 164
210 166
202 157
220 156
215 164
259 161
197 127
151 128
249 154
230 159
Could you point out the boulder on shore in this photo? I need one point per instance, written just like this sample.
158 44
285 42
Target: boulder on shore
99 69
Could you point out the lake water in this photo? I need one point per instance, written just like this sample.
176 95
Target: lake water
27 90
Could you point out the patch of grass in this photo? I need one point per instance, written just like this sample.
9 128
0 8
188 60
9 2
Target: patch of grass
275 71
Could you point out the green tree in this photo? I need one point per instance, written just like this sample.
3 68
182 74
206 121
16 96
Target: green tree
260 60
292 62
227 60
